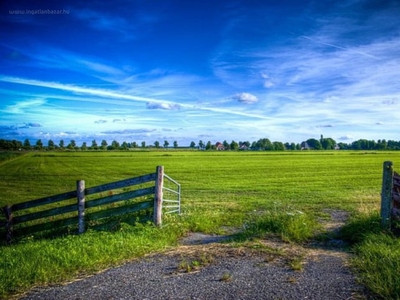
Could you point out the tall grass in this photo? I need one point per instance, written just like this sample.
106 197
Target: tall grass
377 254
378 264
219 189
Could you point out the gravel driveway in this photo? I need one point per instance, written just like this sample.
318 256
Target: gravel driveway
218 271
203 267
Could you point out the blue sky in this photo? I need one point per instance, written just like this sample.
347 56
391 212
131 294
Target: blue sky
155 70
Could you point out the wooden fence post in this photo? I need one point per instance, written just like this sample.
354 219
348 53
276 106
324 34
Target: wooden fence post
158 196
9 223
80 192
386 195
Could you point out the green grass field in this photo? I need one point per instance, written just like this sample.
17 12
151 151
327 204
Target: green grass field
218 189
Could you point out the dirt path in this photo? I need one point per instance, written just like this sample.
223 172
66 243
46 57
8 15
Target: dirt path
203 267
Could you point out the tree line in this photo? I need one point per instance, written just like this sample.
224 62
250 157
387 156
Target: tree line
262 144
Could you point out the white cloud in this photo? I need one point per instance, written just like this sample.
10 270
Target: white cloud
246 98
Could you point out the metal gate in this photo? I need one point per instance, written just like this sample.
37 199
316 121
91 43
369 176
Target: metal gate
171 195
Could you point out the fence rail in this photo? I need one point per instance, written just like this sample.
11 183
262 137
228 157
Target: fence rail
121 198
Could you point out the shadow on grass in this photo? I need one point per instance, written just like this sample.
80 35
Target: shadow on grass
112 224
359 227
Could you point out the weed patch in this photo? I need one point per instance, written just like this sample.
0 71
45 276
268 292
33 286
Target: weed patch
289 224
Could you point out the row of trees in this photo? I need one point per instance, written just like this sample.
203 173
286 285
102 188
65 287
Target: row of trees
261 144
51 145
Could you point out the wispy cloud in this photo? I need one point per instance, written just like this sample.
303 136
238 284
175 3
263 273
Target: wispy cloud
21 106
110 94
29 125
129 131
162 105
101 21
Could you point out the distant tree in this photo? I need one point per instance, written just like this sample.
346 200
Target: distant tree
84 146
143 144
39 144
175 144
6 145
166 144
315 144
71 145
157 144
192 144
343 146
50 145
201 145
94 145
134 145
226 145
278 146
382 145
114 145
234 145
61 144
104 145
328 143
124 146
27 145
292 146
208 145
17 145
264 144
268 145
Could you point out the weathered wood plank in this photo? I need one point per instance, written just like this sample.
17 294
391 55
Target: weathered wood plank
9 223
44 201
120 197
386 195
45 213
80 192
158 196
120 184
396 197
120 210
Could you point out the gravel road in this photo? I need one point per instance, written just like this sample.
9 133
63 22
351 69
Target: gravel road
204 267
221 272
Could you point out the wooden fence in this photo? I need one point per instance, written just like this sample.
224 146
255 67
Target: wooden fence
390 197
108 200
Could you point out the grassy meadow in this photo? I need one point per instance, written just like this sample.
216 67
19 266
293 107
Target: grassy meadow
219 189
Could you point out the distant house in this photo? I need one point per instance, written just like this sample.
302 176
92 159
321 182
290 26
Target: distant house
305 146
243 147
219 146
